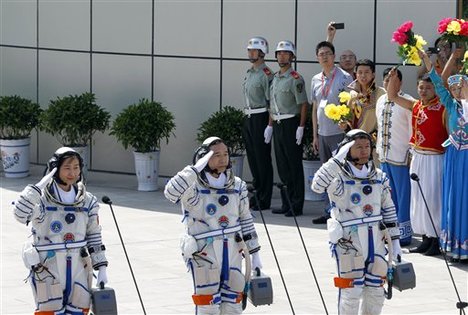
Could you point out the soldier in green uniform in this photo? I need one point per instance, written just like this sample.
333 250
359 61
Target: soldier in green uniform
256 131
288 110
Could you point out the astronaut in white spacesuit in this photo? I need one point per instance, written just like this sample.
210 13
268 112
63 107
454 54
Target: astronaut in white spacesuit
363 217
219 228
66 240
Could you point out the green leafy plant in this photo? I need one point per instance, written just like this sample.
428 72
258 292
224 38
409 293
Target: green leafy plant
143 125
18 117
308 151
226 124
74 119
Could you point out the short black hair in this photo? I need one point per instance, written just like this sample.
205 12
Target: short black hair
324 44
425 78
365 62
386 71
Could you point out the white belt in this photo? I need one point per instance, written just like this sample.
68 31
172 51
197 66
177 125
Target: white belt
59 246
359 221
229 230
250 111
278 117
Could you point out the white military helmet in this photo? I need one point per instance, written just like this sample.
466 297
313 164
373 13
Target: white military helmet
286 45
259 43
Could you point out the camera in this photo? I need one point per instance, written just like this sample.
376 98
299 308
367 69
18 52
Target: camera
433 50
338 26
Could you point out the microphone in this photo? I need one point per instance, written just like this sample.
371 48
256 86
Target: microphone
106 200
414 177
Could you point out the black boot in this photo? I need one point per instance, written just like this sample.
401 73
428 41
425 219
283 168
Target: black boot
433 249
424 246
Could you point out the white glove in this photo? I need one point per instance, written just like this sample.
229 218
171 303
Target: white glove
201 163
335 230
102 275
341 154
268 133
396 249
188 246
46 179
299 134
256 261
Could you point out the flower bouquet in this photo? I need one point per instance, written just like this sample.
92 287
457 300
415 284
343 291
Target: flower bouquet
453 30
409 44
464 69
339 113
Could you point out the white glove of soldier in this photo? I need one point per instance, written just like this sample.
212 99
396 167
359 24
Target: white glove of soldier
396 250
268 133
46 179
341 154
299 134
102 275
201 163
256 261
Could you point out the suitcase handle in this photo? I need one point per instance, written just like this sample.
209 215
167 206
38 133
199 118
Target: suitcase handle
258 272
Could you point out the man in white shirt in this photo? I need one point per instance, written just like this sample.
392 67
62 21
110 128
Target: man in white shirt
393 149
324 89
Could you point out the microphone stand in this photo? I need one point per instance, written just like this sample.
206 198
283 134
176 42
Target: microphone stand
460 305
107 201
284 190
254 192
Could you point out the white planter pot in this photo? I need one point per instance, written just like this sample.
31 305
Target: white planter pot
310 167
147 170
237 165
15 157
83 151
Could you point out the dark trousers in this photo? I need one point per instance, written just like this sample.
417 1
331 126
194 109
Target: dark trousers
259 156
289 161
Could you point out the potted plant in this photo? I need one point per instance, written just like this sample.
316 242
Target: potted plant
73 120
142 126
310 160
18 117
226 124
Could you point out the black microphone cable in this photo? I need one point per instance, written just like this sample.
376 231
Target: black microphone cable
254 192
284 190
108 201
460 305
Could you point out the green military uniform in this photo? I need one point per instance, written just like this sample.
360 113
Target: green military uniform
256 93
287 94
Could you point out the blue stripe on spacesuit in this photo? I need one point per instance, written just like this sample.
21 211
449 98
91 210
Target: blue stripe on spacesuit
68 280
219 191
225 265
370 256
207 285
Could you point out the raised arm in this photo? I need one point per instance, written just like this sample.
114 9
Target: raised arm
331 31
392 91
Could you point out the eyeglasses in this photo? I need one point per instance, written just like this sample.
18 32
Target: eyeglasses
350 57
325 54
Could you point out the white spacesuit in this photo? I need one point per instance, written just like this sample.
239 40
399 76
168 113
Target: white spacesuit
363 216
65 228
219 226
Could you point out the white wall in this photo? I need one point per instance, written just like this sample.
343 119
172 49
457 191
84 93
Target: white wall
187 50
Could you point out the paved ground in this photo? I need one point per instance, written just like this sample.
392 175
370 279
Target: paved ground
151 226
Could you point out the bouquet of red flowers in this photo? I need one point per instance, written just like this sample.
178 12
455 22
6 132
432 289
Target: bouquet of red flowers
409 43
453 30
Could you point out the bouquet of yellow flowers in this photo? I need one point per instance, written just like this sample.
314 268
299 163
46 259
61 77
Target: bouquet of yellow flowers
409 44
339 113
